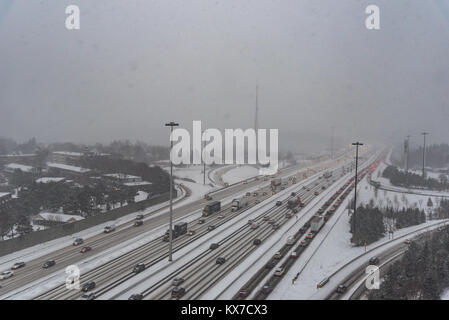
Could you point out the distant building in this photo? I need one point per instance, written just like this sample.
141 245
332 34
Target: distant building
51 219
65 170
73 158
4 197
129 181
11 167
49 179
27 159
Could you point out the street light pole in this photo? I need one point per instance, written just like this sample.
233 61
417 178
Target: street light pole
356 144
170 228
423 153
407 156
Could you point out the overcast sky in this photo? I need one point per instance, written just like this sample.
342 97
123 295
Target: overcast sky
136 64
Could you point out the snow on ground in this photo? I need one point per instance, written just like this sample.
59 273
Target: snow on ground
445 295
240 173
39 250
335 251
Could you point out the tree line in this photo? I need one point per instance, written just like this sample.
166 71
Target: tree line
408 179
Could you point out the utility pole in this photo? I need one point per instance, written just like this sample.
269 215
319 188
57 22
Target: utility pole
424 153
170 228
332 143
356 144
204 162
407 155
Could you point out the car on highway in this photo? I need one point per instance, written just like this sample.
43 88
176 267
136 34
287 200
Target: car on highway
201 221
275 226
177 282
266 218
278 203
309 236
49 263
255 194
108 229
316 193
191 232
88 286
323 188
271 221
295 210
290 240
243 293
256 201
211 227
78 241
277 255
407 241
221 216
207 197
293 194
294 255
136 296
139 268
271 264
6 274
214 246
304 187
220 260
18 265
279 272
177 292
341 289
89 296
248 194
374 261
85 249
256 242
265 193
138 223
288 215
254 225
266 289
303 243
139 217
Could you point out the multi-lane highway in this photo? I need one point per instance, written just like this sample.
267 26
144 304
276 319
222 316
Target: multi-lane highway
70 255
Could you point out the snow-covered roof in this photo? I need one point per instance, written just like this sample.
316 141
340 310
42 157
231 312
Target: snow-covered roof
57 217
68 153
14 166
139 183
121 176
67 167
4 194
49 179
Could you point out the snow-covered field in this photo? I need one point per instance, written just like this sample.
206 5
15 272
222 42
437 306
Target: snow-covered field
240 173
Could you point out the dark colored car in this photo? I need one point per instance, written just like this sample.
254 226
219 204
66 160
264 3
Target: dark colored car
214 246
293 194
266 289
88 286
89 296
177 281
316 193
244 293
139 268
177 292
85 249
138 223
220 260
374 261
201 221
256 242
78 241
211 227
139 217
18 265
48 264
341 288
278 203
270 265
136 296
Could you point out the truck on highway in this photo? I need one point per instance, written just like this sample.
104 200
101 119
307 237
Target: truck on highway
178 230
276 182
327 174
239 203
211 208
316 223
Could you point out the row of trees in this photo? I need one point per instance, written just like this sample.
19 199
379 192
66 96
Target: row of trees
437 156
409 179
422 273
371 223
